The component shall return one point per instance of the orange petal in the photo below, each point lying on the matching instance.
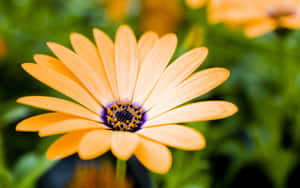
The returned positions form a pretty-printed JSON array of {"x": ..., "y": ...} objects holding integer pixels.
[
  {"x": 176, "y": 136},
  {"x": 153, "y": 66},
  {"x": 62, "y": 84},
  {"x": 197, "y": 85},
  {"x": 38, "y": 122},
  {"x": 86, "y": 50},
  {"x": 65, "y": 145},
  {"x": 81, "y": 70},
  {"x": 68, "y": 126},
  {"x": 58, "y": 105},
  {"x": 123, "y": 144},
  {"x": 145, "y": 44},
  {"x": 56, "y": 65},
  {"x": 107, "y": 54},
  {"x": 178, "y": 71},
  {"x": 154, "y": 156},
  {"x": 126, "y": 61},
  {"x": 200, "y": 111},
  {"x": 94, "y": 144},
  {"x": 259, "y": 28}
]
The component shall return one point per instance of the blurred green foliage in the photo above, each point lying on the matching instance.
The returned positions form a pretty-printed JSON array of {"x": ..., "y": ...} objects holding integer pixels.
[{"x": 262, "y": 138}]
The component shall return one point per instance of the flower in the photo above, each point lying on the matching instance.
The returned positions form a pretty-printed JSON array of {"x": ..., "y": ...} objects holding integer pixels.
[
  {"x": 160, "y": 16},
  {"x": 257, "y": 17},
  {"x": 89, "y": 175},
  {"x": 195, "y": 4},
  {"x": 127, "y": 97},
  {"x": 117, "y": 10}
]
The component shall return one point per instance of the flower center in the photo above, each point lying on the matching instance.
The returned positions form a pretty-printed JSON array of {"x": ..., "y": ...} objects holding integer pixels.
[{"x": 124, "y": 116}]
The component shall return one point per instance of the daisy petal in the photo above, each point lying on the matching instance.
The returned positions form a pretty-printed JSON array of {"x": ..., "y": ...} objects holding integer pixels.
[
  {"x": 123, "y": 144},
  {"x": 38, "y": 122},
  {"x": 126, "y": 61},
  {"x": 200, "y": 111},
  {"x": 68, "y": 126},
  {"x": 145, "y": 44},
  {"x": 65, "y": 145},
  {"x": 176, "y": 136},
  {"x": 106, "y": 49},
  {"x": 58, "y": 105},
  {"x": 80, "y": 69},
  {"x": 259, "y": 28},
  {"x": 86, "y": 50},
  {"x": 178, "y": 71},
  {"x": 56, "y": 65},
  {"x": 197, "y": 85},
  {"x": 153, "y": 66},
  {"x": 94, "y": 144},
  {"x": 154, "y": 156},
  {"x": 62, "y": 84}
]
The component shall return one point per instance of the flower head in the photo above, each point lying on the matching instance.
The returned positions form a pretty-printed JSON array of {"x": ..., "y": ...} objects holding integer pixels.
[
  {"x": 160, "y": 16},
  {"x": 257, "y": 16},
  {"x": 127, "y": 97}
]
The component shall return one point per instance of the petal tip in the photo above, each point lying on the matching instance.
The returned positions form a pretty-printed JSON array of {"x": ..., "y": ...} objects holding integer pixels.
[
  {"x": 85, "y": 157},
  {"x": 124, "y": 27},
  {"x": 223, "y": 72},
  {"x": 20, "y": 100},
  {"x": 51, "y": 44},
  {"x": 19, "y": 127},
  {"x": 76, "y": 36},
  {"x": 202, "y": 144},
  {"x": 25, "y": 66},
  {"x": 234, "y": 109},
  {"x": 37, "y": 57},
  {"x": 171, "y": 37},
  {"x": 204, "y": 50},
  {"x": 119, "y": 156},
  {"x": 97, "y": 31},
  {"x": 41, "y": 133}
]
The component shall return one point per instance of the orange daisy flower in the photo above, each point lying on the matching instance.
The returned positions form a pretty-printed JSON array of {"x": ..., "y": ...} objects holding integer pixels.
[
  {"x": 127, "y": 97},
  {"x": 257, "y": 16}
]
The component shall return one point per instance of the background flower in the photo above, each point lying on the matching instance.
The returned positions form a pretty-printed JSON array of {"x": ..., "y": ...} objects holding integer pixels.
[
  {"x": 160, "y": 16},
  {"x": 257, "y": 17}
]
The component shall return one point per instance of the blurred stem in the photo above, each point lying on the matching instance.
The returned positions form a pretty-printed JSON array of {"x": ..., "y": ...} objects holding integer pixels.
[{"x": 121, "y": 170}]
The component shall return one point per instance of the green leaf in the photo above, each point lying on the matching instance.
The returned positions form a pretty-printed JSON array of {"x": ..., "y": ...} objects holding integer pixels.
[
  {"x": 6, "y": 180},
  {"x": 29, "y": 168}
]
